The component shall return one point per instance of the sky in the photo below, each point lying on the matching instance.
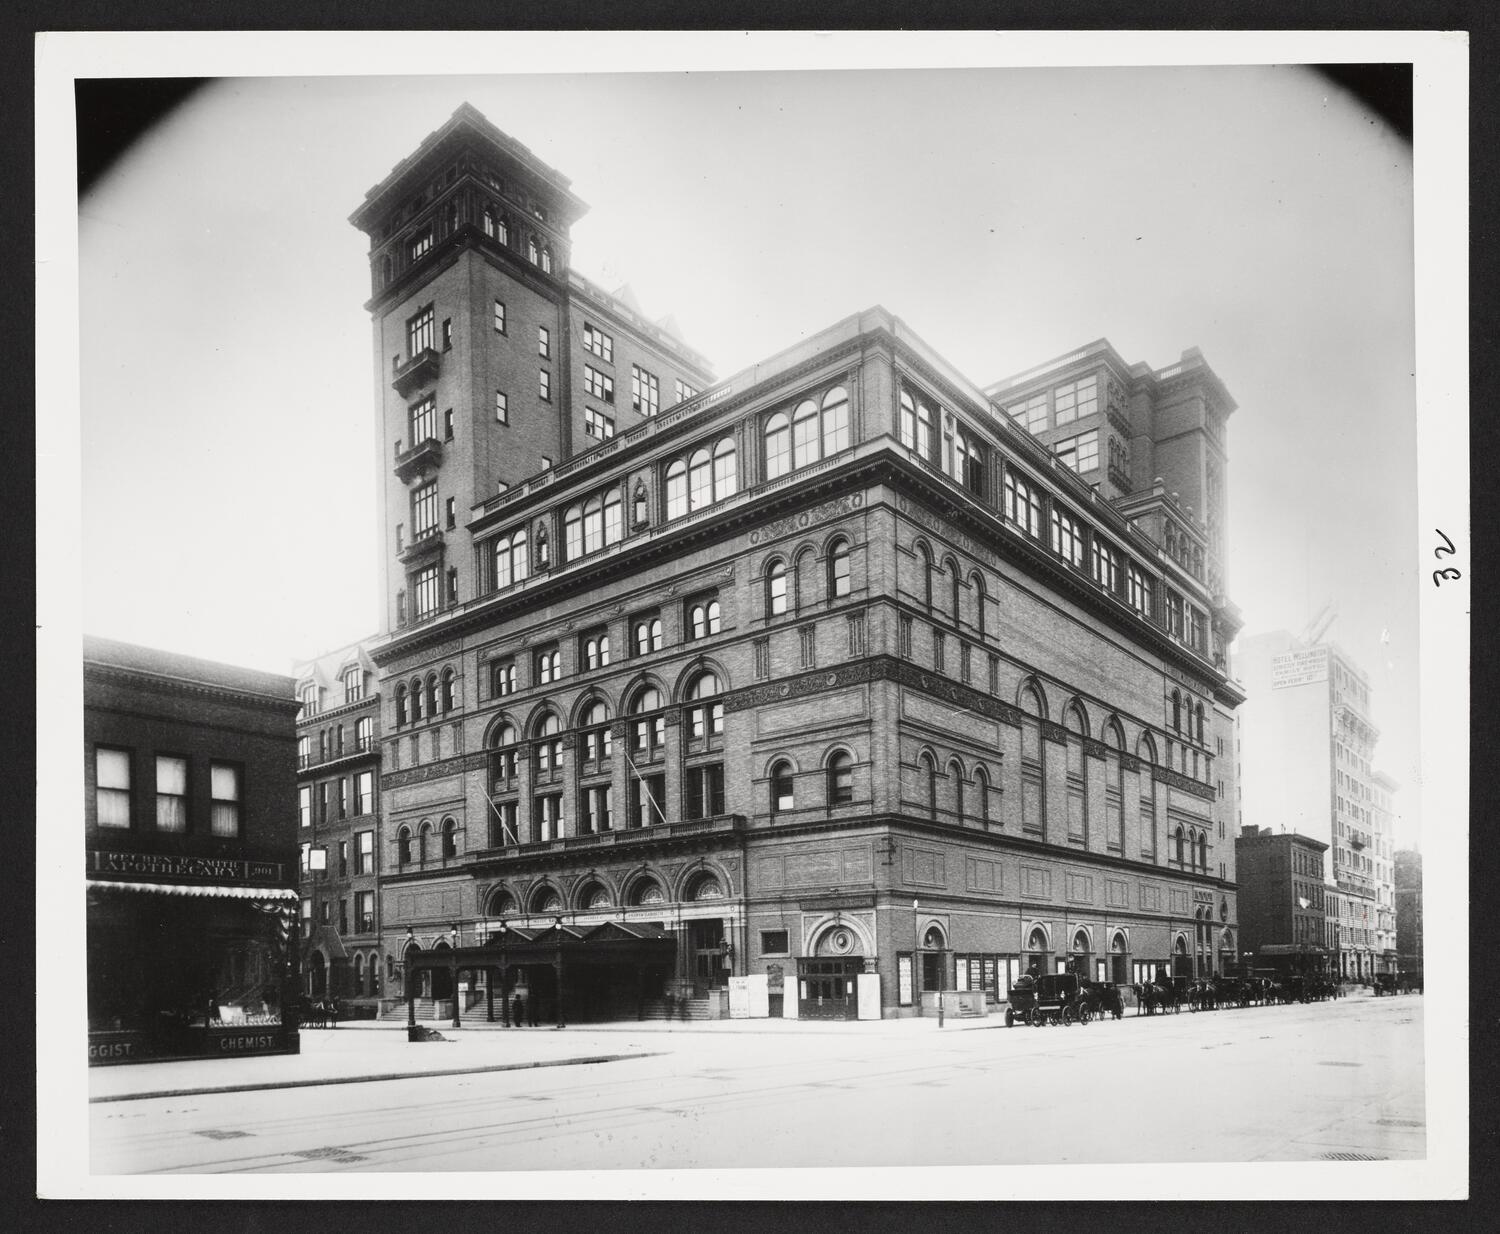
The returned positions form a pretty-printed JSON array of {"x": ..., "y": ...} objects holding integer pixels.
[{"x": 1007, "y": 215}]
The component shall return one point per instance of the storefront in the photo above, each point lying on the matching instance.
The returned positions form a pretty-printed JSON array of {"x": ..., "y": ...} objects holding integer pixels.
[{"x": 189, "y": 969}]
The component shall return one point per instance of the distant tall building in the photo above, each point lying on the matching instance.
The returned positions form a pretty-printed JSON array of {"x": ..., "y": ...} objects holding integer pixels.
[
  {"x": 1306, "y": 745},
  {"x": 842, "y": 674},
  {"x": 1409, "y": 909},
  {"x": 338, "y": 804}
]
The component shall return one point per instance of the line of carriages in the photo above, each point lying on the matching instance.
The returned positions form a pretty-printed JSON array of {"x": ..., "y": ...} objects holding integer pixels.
[{"x": 1066, "y": 998}]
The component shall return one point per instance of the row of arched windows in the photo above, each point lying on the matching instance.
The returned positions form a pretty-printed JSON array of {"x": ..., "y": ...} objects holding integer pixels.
[
  {"x": 836, "y": 772},
  {"x": 706, "y": 476},
  {"x": 426, "y": 699},
  {"x": 790, "y": 583},
  {"x": 425, "y": 842},
  {"x": 945, "y": 579},
  {"x": 815, "y": 429},
  {"x": 1191, "y": 724},
  {"x": 1190, "y": 847},
  {"x": 642, "y": 888}
]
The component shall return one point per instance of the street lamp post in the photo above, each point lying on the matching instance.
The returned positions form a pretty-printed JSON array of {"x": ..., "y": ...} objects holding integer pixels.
[
  {"x": 558, "y": 993},
  {"x": 504, "y": 1001},
  {"x": 916, "y": 958},
  {"x": 411, "y": 998},
  {"x": 453, "y": 962}
]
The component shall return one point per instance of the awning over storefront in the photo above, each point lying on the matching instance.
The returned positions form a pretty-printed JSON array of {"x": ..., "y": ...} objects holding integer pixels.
[{"x": 195, "y": 889}]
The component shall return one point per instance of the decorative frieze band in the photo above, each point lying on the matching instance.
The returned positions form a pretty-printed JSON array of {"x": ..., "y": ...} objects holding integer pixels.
[{"x": 1176, "y": 779}]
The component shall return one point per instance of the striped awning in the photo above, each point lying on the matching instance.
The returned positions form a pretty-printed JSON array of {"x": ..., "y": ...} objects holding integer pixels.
[{"x": 204, "y": 890}]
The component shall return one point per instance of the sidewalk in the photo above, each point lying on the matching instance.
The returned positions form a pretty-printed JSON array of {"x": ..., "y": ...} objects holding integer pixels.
[{"x": 360, "y": 1051}]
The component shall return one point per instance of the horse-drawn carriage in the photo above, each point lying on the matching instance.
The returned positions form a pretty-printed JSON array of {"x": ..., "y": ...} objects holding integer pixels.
[
  {"x": 1383, "y": 983},
  {"x": 1052, "y": 998}
]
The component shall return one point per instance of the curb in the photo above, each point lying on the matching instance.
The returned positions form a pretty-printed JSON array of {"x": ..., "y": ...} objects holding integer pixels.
[{"x": 367, "y": 1079}]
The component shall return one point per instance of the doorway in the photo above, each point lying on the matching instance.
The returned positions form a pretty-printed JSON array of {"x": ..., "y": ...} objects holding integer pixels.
[
  {"x": 827, "y": 989},
  {"x": 706, "y": 946}
]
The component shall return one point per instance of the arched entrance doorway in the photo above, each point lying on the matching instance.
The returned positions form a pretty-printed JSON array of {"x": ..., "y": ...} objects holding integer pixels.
[
  {"x": 1119, "y": 959},
  {"x": 442, "y": 978},
  {"x": 934, "y": 944},
  {"x": 1182, "y": 960},
  {"x": 1038, "y": 952},
  {"x": 828, "y": 980},
  {"x": 1081, "y": 956}
]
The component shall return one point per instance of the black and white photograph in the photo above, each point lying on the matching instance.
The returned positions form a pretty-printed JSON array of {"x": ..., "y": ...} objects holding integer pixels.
[{"x": 754, "y": 615}]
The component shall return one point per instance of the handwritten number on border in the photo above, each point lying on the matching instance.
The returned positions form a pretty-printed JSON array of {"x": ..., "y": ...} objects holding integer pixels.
[{"x": 1444, "y": 549}]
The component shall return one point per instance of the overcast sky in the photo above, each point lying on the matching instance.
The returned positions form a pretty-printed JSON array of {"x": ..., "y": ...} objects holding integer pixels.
[{"x": 1007, "y": 215}]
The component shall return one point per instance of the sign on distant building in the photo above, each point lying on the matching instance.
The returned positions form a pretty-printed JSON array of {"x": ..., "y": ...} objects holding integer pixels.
[{"x": 1299, "y": 668}]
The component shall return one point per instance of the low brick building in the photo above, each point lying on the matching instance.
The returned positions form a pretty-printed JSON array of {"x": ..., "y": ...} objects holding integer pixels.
[
  {"x": 191, "y": 882},
  {"x": 1281, "y": 892}
]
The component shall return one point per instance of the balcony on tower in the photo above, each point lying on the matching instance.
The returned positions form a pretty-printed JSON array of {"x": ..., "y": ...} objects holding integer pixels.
[
  {"x": 428, "y": 544},
  {"x": 420, "y": 459},
  {"x": 417, "y": 371}
]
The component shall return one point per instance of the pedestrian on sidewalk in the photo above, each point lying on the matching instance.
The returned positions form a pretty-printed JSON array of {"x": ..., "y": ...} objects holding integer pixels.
[{"x": 518, "y": 1007}]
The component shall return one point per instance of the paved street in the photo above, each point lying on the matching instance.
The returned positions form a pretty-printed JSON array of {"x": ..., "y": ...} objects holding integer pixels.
[{"x": 1329, "y": 1081}]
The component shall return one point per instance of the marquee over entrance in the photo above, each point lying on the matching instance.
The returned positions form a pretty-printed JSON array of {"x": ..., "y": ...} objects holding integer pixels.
[{"x": 566, "y": 965}]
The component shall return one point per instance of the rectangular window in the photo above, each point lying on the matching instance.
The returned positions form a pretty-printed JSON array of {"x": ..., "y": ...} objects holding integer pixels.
[
  {"x": 646, "y": 798},
  {"x": 422, "y": 420},
  {"x": 224, "y": 789},
  {"x": 343, "y": 858},
  {"x": 600, "y": 385},
  {"x": 544, "y": 342},
  {"x": 1067, "y": 537},
  {"x": 111, "y": 787},
  {"x": 424, "y": 510},
  {"x": 1076, "y": 400},
  {"x": 419, "y": 245},
  {"x": 599, "y": 343},
  {"x": 364, "y": 858},
  {"x": 598, "y": 425},
  {"x": 1139, "y": 592},
  {"x": 171, "y": 793},
  {"x": 705, "y": 791},
  {"x": 546, "y": 817},
  {"x": 1080, "y": 453},
  {"x": 499, "y": 317},
  {"x": 1195, "y": 630},
  {"x": 1174, "y": 614},
  {"x": 544, "y": 384},
  {"x": 447, "y": 334},
  {"x": 304, "y": 805},
  {"x": 450, "y": 513},
  {"x": 645, "y": 394},
  {"x": 1030, "y": 414},
  {"x": 1023, "y": 504},
  {"x": 448, "y": 424},
  {"x": 596, "y": 812},
  {"x": 364, "y": 792},
  {"x": 762, "y": 657},
  {"x": 773, "y": 942},
  {"x": 685, "y": 391},
  {"x": 502, "y": 408},
  {"x": 424, "y": 587},
  {"x": 364, "y": 912},
  {"x": 419, "y": 331}
]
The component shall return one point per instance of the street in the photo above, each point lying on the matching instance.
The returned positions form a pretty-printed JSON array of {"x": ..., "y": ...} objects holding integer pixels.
[{"x": 1327, "y": 1081}]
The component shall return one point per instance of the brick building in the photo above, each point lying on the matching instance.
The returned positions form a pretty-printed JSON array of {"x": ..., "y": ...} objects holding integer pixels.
[
  {"x": 843, "y": 674},
  {"x": 1408, "y": 881},
  {"x": 191, "y": 900},
  {"x": 1281, "y": 893},
  {"x": 338, "y": 803}
]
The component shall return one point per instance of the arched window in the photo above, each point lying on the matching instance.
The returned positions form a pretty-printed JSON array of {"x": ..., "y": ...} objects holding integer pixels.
[
  {"x": 700, "y": 480},
  {"x": 432, "y": 695},
  {"x": 450, "y": 838},
  {"x": 981, "y": 795},
  {"x": 547, "y": 259},
  {"x": 1199, "y": 715},
  {"x": 1178, "y": 838},
  {"x": 403, "y": 847},
  {"x": 778, "y": 446},
  {"x": 706, "y": 713},
  {"x": 776, "y": 588},
  {"x": 448, "y": 695},
  {"x": 649, "y": 730},
  {"x": 533, "y": 255},
  {"x": 835, "y": 421},
  {"x": 955, "y": 593},
  {"x": 956, "y": 773},
  {"x": 423, "y": 832},
  {"x": 838, "y": 569},
  {"x": 1177, "y": 711},
  {"x": 840, "y": 778},
  {"x": 930, "y": 784},
  {"x": 548, "y": 747},
  {"x": 805, "y": 434},
  {"x": 976, "y": 581},
  {"x": 783, "y": 796},
  {"x": 503, "y": 760},
  {"x": 511, "y": 563},
  {"x": 364, "y": 733},
  {"x": 677, "y": 490},
  {"x": 400, "y": 705},
  {"x": 705, "y": 617},
  {"x": 416, "y": 699},
  {"x": 647, "y": 636},
  {"x": 908, "y": 420},
  {"x": 596, "y": 732},
  {"x": 926, "y": 559},
  {"x": 726, "y": 470},
  {"x": 1203, "y": 850}
]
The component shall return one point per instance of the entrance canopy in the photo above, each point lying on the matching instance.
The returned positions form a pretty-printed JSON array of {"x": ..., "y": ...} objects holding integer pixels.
[{"x": 611, "y": 942}]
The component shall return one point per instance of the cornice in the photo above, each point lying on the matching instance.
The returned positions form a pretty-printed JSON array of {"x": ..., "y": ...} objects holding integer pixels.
[{"x": 165, "y": 684}]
